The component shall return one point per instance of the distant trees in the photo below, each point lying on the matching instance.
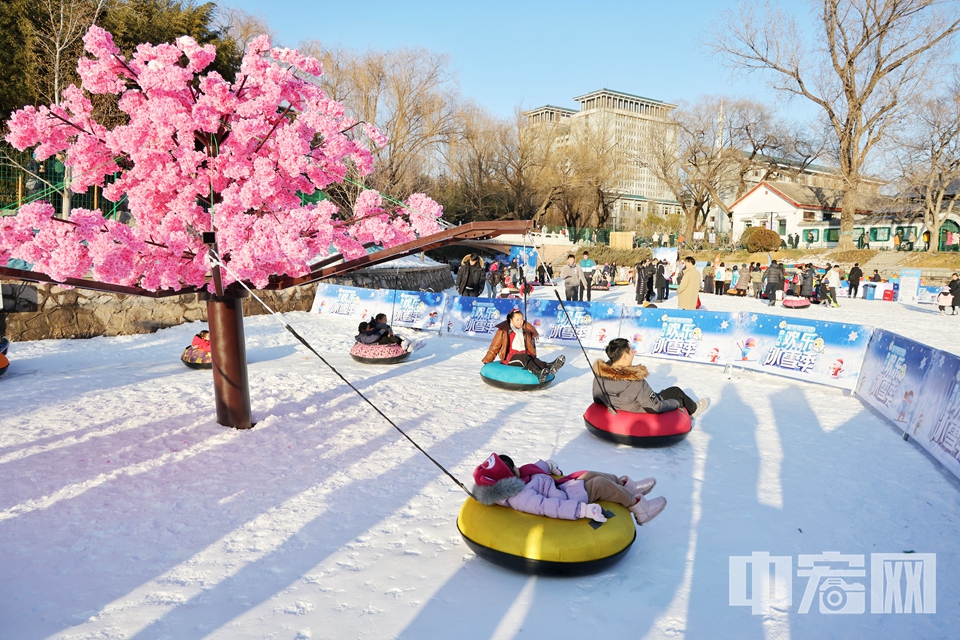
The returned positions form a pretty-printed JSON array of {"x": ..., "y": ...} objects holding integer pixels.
[{"x": 865, "y": 61}]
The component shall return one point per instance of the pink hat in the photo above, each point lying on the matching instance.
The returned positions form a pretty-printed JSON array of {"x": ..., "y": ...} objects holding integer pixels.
[{"x": 492, "y": 470}]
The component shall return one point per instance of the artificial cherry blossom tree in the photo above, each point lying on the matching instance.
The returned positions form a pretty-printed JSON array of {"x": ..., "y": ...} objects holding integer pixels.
[{"x": 199, "y": 154}]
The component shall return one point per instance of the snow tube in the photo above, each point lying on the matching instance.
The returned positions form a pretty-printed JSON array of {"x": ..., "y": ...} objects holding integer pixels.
[
  {"x": 4, "y": 345},
  {"x": 4, "y": 364},
  {"x": 546, "y": 546},
  {"x": 638, "y": 429},
  {"x": 512, "y": 377},
  {"x": 378, "y": 353},
  {"x": 796, "y": 303},
  {"x": 197, "y": 358}
]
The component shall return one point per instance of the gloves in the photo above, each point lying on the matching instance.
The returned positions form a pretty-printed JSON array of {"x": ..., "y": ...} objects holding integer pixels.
[
  {"x": 553, "y": 468},
  {"x": 592, "y": 511}
]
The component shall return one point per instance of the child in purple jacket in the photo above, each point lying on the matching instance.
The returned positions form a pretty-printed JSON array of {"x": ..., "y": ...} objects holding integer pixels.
[{"x": 533, "y": 488}]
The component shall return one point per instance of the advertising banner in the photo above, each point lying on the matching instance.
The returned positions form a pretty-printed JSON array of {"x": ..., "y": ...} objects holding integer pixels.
[
  {"x": 352, "y": 302},
  {"x": 419, "y": 309},
  {"x": 893, "y": 374},
  {"x": 697, "y": 336},
  {"x": 909, "y": 285},
  {"x": 928, "y": 295},
  {"x": 476, "y": 317},
  {"x": 666, "y": 253},
  {"x": 936, "y": 420},
  {"x": 596, "y": 323},
  {"x": 824, "y": 352}
]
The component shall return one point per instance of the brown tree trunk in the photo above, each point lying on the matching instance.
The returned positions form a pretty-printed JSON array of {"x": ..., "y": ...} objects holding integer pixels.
[
  {"x": 849, "y": 209},
  {"x": 228, "y": 348}
]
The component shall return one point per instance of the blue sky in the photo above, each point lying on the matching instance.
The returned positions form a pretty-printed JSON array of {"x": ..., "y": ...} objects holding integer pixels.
[{"x": 534, "y": 53}]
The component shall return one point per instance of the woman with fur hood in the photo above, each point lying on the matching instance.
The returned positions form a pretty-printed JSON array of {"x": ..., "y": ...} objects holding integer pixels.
[
  {"x": 533, "y": 488},
  {"x": 625, "y": 386},
  {"x": 515, "y": 344}
]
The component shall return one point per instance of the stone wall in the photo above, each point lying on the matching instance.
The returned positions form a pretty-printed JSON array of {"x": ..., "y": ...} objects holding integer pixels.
[{"x": 39, "y": 312}]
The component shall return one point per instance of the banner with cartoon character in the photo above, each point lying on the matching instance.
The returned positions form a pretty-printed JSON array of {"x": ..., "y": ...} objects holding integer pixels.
[
  {"x": 698, "y": 336},
  {"x": 476, "y": 317},
  {"x": 824, "y": 352},
  {"x": 909, "y": 285},
  {"x": 928, "y": 294},
  {"x": 352, "y": 302},
  {"x": 595, "y": 323},
  {"x": 893, "y": 374},
  {"x": 419, "y": 309},
  {"x": 935, "y": 421}
]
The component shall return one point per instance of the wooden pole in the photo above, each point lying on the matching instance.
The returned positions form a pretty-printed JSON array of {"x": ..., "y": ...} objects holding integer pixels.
[{"x": 228, "y": 348}]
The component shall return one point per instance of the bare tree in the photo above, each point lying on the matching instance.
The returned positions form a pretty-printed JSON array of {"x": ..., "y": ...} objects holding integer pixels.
[
  {"x": 929, "y": 155},
  {"x": 242, "y": 27},
  {"x": 867, "y": 59},
  {"x": 410, "y": 94}
]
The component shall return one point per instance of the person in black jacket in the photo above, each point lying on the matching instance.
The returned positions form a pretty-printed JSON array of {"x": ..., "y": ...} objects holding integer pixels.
[
  {"x": 774, "y": 277},
  {"x": 471, "y": 276},
  {"x": 854, "y": 278},
  {"x": 661, "y": 281},
  {"x": 806, "y": 281},
  {"x": 954, "y": 285}
]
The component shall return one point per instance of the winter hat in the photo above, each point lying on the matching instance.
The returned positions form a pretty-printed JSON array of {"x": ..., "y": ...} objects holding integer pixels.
[{"x": 491, "y": 470}]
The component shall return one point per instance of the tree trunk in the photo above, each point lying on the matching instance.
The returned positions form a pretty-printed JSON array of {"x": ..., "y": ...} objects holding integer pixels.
[
  {"x": 847, "y": 218},
  {"x": 228, "y": 348}
]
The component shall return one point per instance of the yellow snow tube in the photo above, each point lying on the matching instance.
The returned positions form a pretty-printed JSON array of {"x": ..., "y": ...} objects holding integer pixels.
[{"x": 546, "y": 546}]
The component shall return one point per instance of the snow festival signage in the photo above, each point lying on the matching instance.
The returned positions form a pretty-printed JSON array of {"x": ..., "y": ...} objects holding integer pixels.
[
  {"x": 419, "y": 309},
  {"x": 477, "y": 317},
  {"x": 917, "y": 388},
  {"x": 352, "y": 302},
  {"x": 909, "y": 285},
  {"x": 825, "y": 352},
  {"x": 595, "y": 323},
  {"x": 697, "y": 336}
]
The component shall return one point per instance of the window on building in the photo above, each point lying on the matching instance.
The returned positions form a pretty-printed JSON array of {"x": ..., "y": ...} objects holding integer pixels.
[
  {"x": 809, "y": 216},
  {"x": 782, "y": 227},
  {"x": 831, "y": 235},
  {"x": 906, "y": 233},
  {"x": 879, "y": 234},
  {"x": 827, "y": 216},
  {"x": 811, "y": 236}
]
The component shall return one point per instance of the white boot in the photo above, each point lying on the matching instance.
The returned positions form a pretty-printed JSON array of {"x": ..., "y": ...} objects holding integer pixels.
[
  {"x": 638, "y": 487},
  {"x": 646, "y": 510}
]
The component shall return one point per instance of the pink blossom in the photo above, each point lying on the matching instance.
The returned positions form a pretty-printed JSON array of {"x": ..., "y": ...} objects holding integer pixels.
[{"x": 198, "y": 153}]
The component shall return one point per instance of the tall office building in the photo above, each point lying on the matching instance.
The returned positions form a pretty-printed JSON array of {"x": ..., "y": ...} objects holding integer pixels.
[{"x": 629, "y": 124}]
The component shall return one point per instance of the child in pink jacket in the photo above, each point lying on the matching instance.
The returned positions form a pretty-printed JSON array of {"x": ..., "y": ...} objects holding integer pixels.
[{"x": 534, "y": 488}]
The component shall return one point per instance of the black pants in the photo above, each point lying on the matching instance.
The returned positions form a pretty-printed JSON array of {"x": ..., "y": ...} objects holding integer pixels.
[
  {"x": 588, "y": 289},
  {"x": 389, "y": 339},
  {"x": 676, "y": 393},
  {"x": 854, "y": 289},
  {"x": 573, "y": 292},
  {"x": 772, "y": 289},
  {"x": 662, "y": 293},
  {"x": 531, "y": 363}
]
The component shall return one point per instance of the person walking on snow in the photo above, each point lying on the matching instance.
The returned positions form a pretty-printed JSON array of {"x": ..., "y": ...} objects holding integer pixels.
[
  {"x": 854, "y": 277},
  {"x": 688, "y": 291},
  {"x": 573, "y": 278}
]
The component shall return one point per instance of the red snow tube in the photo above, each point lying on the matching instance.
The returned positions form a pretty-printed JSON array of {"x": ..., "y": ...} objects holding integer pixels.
[
  {"x": 638, "y": 429},
  {"x": 796, "y": 303}
]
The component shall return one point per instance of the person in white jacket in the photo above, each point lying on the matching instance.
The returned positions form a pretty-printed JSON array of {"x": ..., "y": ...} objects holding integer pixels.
[{"x": 833, "y": 283}]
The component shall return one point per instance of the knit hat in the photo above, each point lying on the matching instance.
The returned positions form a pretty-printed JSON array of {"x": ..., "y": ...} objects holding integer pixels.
[{"x": 491, "y": 470}]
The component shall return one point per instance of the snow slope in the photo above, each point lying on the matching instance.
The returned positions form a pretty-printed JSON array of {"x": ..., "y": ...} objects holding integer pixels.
[{"x": 127, "y": 512}]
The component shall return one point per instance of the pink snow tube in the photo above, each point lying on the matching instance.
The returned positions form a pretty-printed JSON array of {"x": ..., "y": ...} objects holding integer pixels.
[
  {"x": 378, "y": 353},
  {"x": 638, "y": 429},
  {"x": 796, "y": 303}
]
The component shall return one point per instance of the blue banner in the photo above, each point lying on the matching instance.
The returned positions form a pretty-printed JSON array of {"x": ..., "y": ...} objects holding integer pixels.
[
  {"x": 595, "y": 323},
  {"x": 419, "y": 309},
  {"x": 824, "y": 352},
  {"x": 352, "y": 302},
  {"x": 477, "y": 317},
  {"x": 917, "y": 388},
  {"x": 698, "y": 336},
  {"x": 892, "y": 375}
]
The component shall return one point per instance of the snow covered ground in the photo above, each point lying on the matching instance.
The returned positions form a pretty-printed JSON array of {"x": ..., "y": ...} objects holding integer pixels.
[{"x": 127, "y": 512}]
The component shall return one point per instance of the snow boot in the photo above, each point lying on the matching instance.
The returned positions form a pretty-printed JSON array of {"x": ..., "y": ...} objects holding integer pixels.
[
  {"x": 646, "y": 510},
  {"x": 702, "y": 405},
  {"x": 638, "y": 488},
  {"x": 556, "y": 364},
  {"x": 543, "y": 374}
]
